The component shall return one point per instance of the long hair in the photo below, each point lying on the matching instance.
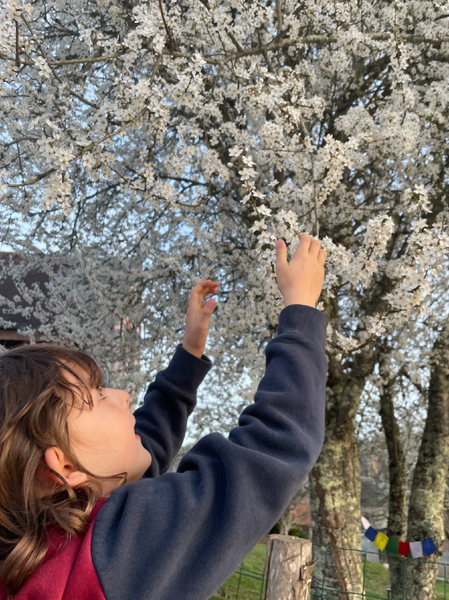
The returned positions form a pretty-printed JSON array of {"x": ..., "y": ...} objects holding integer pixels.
[{"x": 33, "y": 417}]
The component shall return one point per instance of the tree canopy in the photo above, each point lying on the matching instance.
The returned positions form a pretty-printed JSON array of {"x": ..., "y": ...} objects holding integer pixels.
[{"x": 148, "y": 145}]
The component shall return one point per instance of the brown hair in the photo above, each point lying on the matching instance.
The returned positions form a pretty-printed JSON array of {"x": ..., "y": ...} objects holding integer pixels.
[{"x": 33, "y": 417}]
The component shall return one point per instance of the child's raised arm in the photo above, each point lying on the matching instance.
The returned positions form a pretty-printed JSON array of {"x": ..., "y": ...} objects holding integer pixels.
[
  {"x": 162, "y": 419},
  {"x": 183, "y": 534}
]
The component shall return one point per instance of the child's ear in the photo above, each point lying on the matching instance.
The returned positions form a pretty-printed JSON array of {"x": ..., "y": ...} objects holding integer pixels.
[{"x": 55, "y": 458}]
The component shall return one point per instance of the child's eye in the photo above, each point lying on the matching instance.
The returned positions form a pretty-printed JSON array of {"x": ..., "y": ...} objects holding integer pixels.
[{"x": 101, "y": 395}]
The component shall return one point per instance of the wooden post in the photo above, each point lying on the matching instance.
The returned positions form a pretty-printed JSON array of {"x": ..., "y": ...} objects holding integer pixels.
[{"x": 289, "y": 568}]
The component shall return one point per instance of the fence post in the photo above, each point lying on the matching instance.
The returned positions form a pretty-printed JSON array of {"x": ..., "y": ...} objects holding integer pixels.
[{"x": 289, "y": 568}]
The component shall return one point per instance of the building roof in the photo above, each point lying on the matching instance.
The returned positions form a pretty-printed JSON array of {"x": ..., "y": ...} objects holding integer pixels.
[
  {"x": 303, "y": 514},
  {"x": 9, "y": 290}
]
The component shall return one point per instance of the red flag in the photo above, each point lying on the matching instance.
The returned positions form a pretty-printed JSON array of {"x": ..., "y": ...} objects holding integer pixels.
[{"x": 404, "y": 548}]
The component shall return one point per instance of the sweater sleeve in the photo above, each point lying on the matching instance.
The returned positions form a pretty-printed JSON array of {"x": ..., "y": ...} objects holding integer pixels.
[
  {"x": 183, "y": 534},
  {"x": 161, "y": 421}
]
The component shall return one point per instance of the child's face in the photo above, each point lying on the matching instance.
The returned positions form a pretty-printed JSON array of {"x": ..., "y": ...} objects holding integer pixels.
[{"x": 103, "y": 437}]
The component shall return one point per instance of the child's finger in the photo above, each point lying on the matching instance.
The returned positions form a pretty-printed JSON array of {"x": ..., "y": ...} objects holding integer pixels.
[
  {"x": 314, "y": 247},
  {"x": 208, "y": 282},
  {"x": 281, "y": 254},
  {"x": 322, "y": 255},
  {"x": 202, "y": 289},
  {"x": 211, "y": 289},
  {"x": 208, "y": 308},
  {"x": 304, "y": 243}
]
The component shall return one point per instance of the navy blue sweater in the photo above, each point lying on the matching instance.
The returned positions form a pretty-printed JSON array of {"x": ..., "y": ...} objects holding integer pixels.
[{"x": 179, "y": 536}]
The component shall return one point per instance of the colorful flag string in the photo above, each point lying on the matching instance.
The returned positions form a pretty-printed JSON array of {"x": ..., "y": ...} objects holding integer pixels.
[{"x": 393, "y": 546}]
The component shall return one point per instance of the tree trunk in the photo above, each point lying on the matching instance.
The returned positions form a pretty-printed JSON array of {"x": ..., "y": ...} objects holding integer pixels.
[
  {"x": 335, "y": 482},
  {"x": 288, "y": 568},
  {"x": 426, "y": 506},
  {"x": 335, "y": 502},
  {"x": 396, "y": 469}
]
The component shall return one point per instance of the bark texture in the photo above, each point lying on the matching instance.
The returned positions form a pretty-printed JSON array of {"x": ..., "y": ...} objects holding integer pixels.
[
  {"x": 288, "y": 569},
  {"x": 335, "y": 481},
  {"x": 396, "y": 468},
  {"x": 426, "y": 506}
]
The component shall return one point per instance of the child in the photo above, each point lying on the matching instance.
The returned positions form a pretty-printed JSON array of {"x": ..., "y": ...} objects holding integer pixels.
[{"x": 69, "y": 527}]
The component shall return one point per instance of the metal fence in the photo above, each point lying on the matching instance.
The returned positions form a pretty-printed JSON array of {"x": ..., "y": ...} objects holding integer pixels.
[
  {"x": 376, "y": 579},
  {"x": 244, "y": 584},
  {"x": 248, "y": 584}
]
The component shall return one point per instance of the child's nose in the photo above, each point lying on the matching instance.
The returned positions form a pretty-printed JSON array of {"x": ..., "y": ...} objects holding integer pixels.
[
  {"x": 122, "y": 398},
  {"x": 127, "y": 399}
]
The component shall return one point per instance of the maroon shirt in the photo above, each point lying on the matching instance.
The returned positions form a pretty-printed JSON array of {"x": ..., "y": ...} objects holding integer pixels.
[{"x": 66, "y": 574}]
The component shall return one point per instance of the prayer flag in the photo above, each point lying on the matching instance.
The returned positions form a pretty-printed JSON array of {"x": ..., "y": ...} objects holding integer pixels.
[
  {"x": 392, "y": 546},
  {"x": 428, "y": 546},
  {"x": 416, "y": 549},
  {"x": 371, "y": 533},
  {"x": 366, "y": 524},
  {"x": 380, "y": 541},
  {"x": 404, "y": 548}
]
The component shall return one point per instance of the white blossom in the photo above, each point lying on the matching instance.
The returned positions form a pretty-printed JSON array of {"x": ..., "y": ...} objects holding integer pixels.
[{"x": 188, "y": 152}]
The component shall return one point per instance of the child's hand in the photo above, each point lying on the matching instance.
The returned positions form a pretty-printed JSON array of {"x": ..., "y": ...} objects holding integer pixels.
[
  {"x": 198, "y": 315},
  {"x": 301, "y": 280}
]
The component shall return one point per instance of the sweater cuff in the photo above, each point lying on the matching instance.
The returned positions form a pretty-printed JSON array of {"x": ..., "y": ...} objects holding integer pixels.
[
  {"x": 306, "y": 320},
  {"x": 187, "y": 371}
]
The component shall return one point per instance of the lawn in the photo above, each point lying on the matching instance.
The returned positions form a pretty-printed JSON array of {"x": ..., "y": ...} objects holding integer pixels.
[
  {"x": 377, "y": 582},
  {"x": 248, "y": 585}
]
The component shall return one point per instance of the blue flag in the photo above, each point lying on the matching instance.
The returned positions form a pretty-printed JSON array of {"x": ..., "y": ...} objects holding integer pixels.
[
  {"x": 371, "y": 533},
  {"x": 428, "y": 546}
]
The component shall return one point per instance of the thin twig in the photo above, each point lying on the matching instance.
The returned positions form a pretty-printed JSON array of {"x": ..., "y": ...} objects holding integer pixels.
[
  {"x": 17, "y": 44},
  {"x": 32, "y": 181},
  {"x": 167, "y": 28},
  {"x": 418, "y": 386},
  {"x": 20, "y": 160},
  {"x": 315, "y": 200},
  {"x": 265, "y": 54},
  {"x": 203, "y": 201},
  {"x": 234, "y": 41},
  {"x": 41, "y": 50},
  {"x": 88, "y": 102}
]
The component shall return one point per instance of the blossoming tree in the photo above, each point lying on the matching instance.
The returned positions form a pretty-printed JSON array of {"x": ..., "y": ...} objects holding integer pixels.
[{"x": 146, "y": 145}]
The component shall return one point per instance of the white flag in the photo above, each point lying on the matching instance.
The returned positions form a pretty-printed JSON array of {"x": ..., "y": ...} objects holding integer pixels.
[
  {"x": 366, "y": 524},
  {"x": 416, "y": 549}
]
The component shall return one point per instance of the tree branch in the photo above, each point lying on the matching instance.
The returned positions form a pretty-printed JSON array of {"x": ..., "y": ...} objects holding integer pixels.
[
  {"x": 32, "y": 181},
  {"x": 17, "y": 44},
  {"x": 317, "y": 40},
  {"x": 403, "y": 371},
  {"x": 279, "y": 16}
]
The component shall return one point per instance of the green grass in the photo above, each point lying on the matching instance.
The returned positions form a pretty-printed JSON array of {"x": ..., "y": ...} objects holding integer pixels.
[
  {"x": 439, "y": 590},
  {"x": 377, "y": 581},
  {"x": 244, "y": 587}
]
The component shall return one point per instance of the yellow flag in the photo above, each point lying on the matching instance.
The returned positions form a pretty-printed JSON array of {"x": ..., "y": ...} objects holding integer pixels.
[{"x": 380, "y": 541}]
